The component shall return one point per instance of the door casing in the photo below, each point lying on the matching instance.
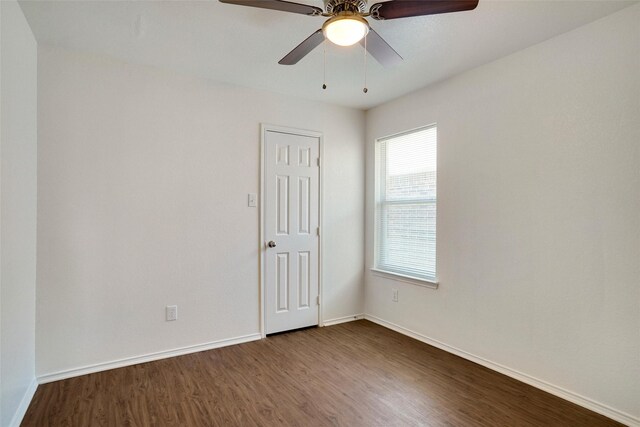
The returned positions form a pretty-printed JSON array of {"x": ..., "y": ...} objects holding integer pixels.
[{"x": 264, "y": 128}]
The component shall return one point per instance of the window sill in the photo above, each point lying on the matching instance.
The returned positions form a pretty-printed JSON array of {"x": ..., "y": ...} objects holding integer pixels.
[{"x": 433, "y": 284}]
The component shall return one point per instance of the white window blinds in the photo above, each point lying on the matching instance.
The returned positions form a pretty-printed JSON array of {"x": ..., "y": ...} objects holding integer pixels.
[{"x": 406, "y": 203}]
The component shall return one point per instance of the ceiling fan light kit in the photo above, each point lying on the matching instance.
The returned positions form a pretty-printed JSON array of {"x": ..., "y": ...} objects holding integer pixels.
[{"x": 346, "y": 29}]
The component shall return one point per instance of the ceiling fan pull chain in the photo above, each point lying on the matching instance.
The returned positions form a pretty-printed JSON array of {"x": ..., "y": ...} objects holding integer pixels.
[
  {"x": 365, "y": 90},
  {"x": 324, "y": 64}
]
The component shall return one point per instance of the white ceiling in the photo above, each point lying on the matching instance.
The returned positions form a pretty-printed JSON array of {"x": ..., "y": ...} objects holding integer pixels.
[{"x": 242, "y": 45}]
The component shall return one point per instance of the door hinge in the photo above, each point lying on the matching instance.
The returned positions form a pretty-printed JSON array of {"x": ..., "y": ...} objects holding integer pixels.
[
  {"x": 318, "y": 300},
  {"x": 318, "y": 162},
  {"x": 317, "y": 231}
]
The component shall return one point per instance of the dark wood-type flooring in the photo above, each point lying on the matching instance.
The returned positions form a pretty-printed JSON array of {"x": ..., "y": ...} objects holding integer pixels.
[{"x": 353, "y": 374}]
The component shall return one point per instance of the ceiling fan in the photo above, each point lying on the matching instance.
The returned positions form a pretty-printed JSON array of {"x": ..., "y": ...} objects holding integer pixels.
[{"x": 347, "y": 25}]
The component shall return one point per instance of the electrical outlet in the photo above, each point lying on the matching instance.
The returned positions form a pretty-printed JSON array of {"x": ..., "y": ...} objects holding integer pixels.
[
  {"x": 395, "y": 295},
  {"x": 172, "y": 313}
]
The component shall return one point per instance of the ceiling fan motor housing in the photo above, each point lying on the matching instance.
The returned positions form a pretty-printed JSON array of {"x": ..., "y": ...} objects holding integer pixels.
[{"x": 338, "y": 6}]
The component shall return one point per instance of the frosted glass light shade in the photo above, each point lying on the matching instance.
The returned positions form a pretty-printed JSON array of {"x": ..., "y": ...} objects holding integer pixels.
[{"x": 345, "y": 30}]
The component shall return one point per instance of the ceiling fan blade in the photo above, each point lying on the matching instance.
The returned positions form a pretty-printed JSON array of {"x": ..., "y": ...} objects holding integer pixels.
[
  {"x": 406, "y": 8},
  {"x": 380, "y": 49},
  {"x": 284, "y": 6},
  {"x": 303, "y": 49}
]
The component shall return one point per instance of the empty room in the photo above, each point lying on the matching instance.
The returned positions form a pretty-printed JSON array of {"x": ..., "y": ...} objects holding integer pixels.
[{"x": 320, "y": 213}]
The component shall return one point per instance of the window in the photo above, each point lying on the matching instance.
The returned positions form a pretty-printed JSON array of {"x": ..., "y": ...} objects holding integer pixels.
[{"x": 405, "y": 240}]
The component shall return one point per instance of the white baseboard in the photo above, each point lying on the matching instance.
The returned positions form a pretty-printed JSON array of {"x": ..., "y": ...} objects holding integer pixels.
[
  {"x": 578, "y": 399},
  {"x": 24, "y": 404},
  {"x": 128, "y": 361},
  {"x": 344, "y": 319}
]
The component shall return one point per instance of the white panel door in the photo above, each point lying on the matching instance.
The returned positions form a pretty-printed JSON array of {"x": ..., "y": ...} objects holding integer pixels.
[{"x": 291, "y": 202}]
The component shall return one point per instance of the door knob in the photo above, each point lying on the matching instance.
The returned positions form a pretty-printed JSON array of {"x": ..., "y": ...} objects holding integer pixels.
[{"x": 271, "y": 244}]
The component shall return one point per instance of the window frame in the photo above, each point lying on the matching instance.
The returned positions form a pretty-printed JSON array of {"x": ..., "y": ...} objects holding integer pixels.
[{"x": 432, "y": 283}]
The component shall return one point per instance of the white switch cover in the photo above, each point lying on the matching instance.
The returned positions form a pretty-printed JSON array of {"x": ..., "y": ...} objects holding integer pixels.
[
  {"x": 395, "y": 295},
  {"x": 253, "y": 200},
  {"x": 172, "y": 313}
]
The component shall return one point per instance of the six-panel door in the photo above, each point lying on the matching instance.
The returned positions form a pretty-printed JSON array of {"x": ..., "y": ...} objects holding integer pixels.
[{"x": 291, "y": 200}]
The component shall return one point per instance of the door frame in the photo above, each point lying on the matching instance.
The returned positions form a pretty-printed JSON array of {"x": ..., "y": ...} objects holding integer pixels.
[{"x": 264, "y": 128}]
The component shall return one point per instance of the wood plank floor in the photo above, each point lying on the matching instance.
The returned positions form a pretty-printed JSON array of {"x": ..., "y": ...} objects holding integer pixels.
[{"x": 353, "y": 374}]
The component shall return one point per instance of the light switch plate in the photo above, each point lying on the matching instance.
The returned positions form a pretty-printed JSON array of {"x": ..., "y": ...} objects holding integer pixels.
[
  {"x": 253, "y": 200},
  {"x": 171, "y": 313}
]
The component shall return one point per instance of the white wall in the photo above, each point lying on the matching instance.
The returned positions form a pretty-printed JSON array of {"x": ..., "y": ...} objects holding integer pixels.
[
  {"x": 142, "y": 202},
  {"x": 18, "y": 141},
  {"x": 538, "y": 212}
]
